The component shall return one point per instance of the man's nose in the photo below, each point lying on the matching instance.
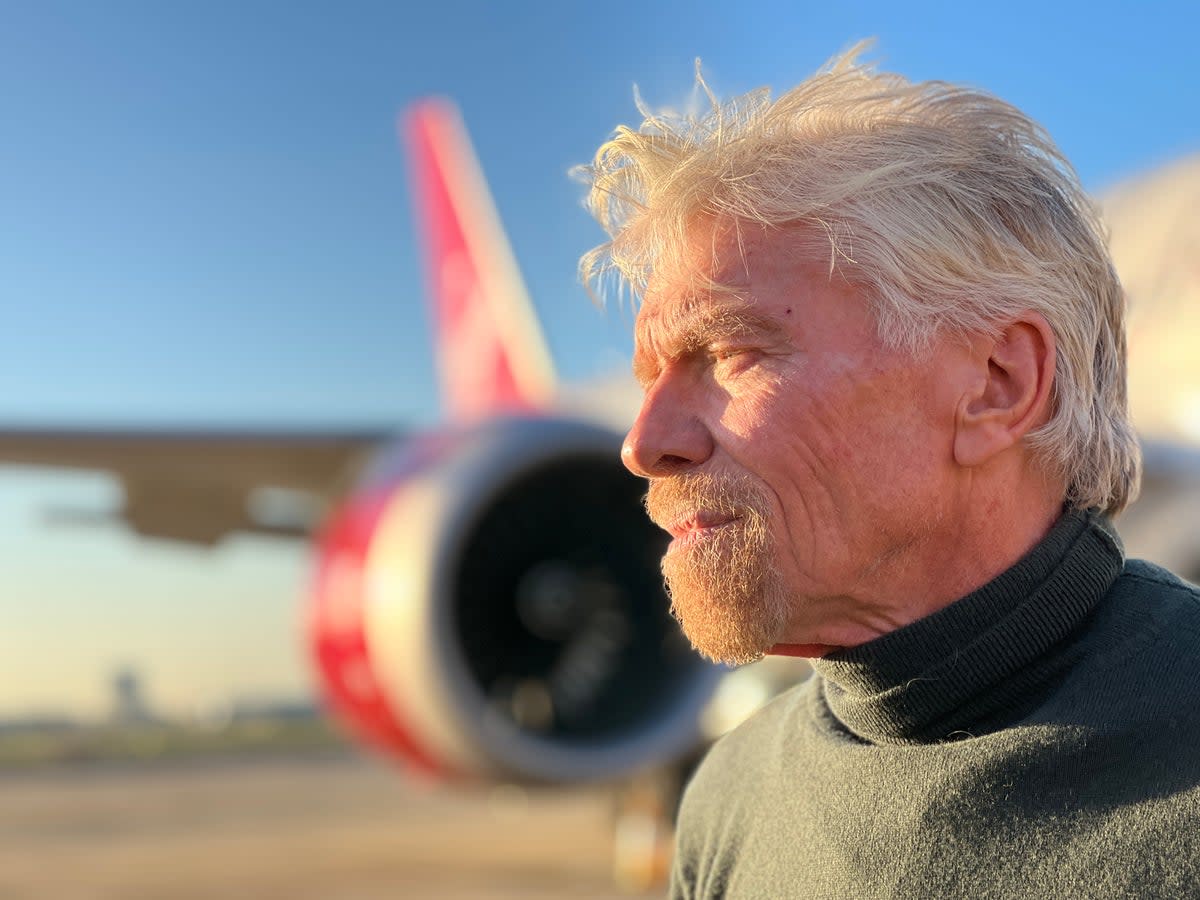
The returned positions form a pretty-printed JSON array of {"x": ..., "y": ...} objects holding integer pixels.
[{"x": 668, "y": 436}]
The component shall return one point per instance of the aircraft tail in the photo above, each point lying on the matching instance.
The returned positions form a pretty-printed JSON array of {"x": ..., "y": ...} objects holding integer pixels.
[{"x": 491, "y": 353}]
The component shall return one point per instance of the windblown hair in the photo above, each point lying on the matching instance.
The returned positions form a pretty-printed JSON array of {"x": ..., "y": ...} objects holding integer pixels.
[{"x": 949, "y": 208}]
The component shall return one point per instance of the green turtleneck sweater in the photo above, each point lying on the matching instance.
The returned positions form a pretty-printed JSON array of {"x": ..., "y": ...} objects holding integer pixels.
[{"x": 1038, "y": 738}]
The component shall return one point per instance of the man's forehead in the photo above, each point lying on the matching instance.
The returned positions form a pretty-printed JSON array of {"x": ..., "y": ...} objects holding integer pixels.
[
  {"x": 711, "y": 258},
  {"x": 729, "y": 279},
  {"x": 713, "y": 283}
]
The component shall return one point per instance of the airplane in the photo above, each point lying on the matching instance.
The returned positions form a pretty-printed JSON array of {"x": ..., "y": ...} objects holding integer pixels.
[
  {"x": 1155, "y": 244},
  {"x": 488, "y": 602}
]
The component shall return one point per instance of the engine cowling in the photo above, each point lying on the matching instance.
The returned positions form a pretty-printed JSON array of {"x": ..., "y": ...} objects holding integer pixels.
[{"x": 489, "y": 605}]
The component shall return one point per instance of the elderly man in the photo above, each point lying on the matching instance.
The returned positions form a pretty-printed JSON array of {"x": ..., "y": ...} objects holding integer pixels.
[{"x": 883, "y": 354}]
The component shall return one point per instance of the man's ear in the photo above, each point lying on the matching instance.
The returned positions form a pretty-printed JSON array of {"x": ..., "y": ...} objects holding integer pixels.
[{"x": 1011, "y": 395}]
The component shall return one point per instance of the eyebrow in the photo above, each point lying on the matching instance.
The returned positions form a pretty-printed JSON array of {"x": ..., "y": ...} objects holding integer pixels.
[{"x": 695, "y": 324}]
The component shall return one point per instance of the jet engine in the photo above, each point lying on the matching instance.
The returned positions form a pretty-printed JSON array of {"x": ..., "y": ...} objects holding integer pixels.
[{"x": 489, "y": 605}]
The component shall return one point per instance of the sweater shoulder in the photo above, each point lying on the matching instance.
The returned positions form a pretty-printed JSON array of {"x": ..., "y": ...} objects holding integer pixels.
[
  {"x": 1168, "y": 606},
  {"x": 774, "y": 722},
  {"x": 1139, "y": 575},
  {"x": 744, "y": 758},
  {"x": 1144, "y": 649},
  {"x": 739, "y": 777}
]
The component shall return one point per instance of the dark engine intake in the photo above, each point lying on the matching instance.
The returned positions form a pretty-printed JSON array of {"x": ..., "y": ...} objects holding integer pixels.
[{"x": 509, "y": 618}]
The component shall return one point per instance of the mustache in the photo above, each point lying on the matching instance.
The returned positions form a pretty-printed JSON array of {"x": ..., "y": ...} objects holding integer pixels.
[{"x": 677, "y": 497}]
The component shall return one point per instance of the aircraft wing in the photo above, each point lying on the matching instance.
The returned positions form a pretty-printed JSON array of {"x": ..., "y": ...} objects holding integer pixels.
[{"x": 197, "y": 485}]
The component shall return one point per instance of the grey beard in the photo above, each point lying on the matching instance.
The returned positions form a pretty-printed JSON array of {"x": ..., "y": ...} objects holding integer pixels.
[{"x": 725, "y": 589}]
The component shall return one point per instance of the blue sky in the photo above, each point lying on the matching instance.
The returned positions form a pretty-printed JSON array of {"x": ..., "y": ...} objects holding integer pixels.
[{"x": 204, "y": 219}]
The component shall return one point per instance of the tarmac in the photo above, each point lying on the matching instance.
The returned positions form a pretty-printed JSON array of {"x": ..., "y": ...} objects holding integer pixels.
[{"x": 335, "y": 828}]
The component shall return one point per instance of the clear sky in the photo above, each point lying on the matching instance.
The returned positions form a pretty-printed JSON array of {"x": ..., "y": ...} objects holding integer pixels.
[{"x": 204, "y": 220}]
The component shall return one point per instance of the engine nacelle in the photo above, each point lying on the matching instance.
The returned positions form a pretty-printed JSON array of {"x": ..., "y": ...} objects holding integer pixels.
[{"x": 489, "y": 605}]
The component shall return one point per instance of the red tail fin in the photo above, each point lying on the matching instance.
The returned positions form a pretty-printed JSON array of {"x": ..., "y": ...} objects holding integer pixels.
[{"x": 490, "y": 350}]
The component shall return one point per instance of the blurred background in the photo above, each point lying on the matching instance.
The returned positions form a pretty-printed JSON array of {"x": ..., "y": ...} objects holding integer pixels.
[{"x": 204, "y": 222}]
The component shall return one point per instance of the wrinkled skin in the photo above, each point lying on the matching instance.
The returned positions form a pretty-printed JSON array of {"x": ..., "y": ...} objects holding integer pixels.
[{"x": 779, "y": 391}]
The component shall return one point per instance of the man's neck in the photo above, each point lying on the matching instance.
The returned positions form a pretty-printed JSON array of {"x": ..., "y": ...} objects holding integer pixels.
[{"x": 959, "y": 556}]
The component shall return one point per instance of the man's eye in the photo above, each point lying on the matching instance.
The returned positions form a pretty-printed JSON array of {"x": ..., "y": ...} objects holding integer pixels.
[{"x": 732, "y": 360}]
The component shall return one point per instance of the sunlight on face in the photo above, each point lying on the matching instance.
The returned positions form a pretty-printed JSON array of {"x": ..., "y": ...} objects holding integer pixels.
[{"x": 799, "y": 463}]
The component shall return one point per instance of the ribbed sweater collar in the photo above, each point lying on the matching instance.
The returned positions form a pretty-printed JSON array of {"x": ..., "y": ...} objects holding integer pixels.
[{"x": 960, "y": 670}]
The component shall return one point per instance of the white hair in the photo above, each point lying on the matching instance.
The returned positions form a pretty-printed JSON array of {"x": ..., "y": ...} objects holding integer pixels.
[{"x": 952, "y": 211}]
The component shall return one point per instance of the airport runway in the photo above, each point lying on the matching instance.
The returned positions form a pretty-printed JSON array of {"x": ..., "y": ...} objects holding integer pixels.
[{"x": 304, "y": 829}]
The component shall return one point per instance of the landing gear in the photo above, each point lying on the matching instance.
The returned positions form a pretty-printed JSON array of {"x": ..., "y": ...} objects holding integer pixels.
[{"x": 644, "y": 812}]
